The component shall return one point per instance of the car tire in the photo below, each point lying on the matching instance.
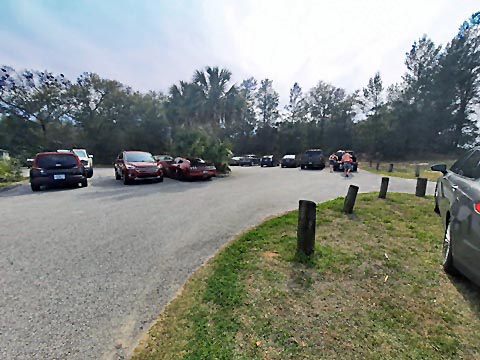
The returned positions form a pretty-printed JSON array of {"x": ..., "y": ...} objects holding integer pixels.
[
  {"x": 126, "y": 181},
  {"x": 117, "y": 175},
  {"x": 160, "y": 180},
  {"x": 35, "y": 187},
  {"x": 447, "y": 257},
  {"x": 90, "y": 173},
  {"x": 302, "y": 167},
  {"x": 84, "y": 183}
]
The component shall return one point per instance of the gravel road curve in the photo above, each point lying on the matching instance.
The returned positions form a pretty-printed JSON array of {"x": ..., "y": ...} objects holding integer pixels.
[{"x": 83, "y": 272}]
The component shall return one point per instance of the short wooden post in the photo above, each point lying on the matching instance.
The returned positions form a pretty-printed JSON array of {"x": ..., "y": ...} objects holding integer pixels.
[
  {"x": 421, "y": 188},
  {"x": 417, "y": 170},
  {"x": 370, "y": 163},
  {"x": 377, "y": 166},
  {"x": 307, "y": 216},
  {"x": 350, "y": 199},
  {"x": 390, "y": 167},
  {"x": 383, "y": 188}
]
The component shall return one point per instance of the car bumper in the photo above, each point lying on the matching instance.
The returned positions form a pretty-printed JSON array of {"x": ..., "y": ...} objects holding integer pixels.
[
  {"x": 49, "y": 180},
  {"x": 201, "y": 173},
  {"x": 140, "y": 175}
]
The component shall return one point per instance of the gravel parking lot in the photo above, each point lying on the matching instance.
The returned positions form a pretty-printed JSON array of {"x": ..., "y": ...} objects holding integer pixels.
[{"x": 83, "y": 272}]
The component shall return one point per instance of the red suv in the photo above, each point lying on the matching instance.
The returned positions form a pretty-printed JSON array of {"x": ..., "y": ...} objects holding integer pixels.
[
  {"x": 57, "y": 168},
  {"x": 137, "y": 165}
]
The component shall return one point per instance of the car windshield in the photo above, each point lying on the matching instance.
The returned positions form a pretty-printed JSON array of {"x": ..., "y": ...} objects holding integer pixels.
[
  {"x": 80, "y": 153},
  {"x": 56, "y": 161},
  {"x": 197, "y": 161},
  {"x": 139, "y": 157}
]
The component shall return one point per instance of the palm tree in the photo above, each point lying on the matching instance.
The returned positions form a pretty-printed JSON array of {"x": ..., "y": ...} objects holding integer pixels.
[{"x": 213, "y": 82}]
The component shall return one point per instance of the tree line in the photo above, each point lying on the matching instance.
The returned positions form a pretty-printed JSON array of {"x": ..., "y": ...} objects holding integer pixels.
[{"x": 433, "y": 109}]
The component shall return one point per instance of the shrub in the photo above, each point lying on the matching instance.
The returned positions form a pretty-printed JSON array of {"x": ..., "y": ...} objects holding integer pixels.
[{"x": 10, "y": 171}]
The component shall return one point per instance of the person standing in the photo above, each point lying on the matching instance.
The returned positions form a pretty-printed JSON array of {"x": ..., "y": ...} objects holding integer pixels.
[
  {"x": 332, "y": 159},
  {"x": 347, "y": 163}
]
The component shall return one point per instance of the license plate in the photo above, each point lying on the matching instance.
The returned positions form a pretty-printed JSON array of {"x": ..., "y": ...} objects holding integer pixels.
[{"x": 59, "y": 177}]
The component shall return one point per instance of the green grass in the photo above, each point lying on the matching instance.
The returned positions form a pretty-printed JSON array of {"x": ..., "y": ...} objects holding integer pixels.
[
  {"x": 406, "y": 169},
  {"x": 374, "y": 289}
]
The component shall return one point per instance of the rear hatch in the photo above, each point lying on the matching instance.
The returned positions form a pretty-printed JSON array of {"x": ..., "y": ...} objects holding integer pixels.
[
  {"x": 313, "y": 157},
  {"x": 58, "y": 164}
]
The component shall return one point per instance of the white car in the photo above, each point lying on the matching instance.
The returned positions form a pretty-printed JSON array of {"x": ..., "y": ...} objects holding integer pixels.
[{"x": 86, "y": 160}]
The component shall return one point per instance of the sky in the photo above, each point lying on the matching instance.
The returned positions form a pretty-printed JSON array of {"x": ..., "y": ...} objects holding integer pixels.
[{"x": 152, "y": 44}]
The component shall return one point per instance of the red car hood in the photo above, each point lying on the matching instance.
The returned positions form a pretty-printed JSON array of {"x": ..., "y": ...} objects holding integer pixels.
[{"x": 142, "y": 164}]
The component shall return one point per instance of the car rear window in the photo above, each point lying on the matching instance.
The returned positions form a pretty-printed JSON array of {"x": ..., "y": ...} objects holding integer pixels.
[{"x": 56, "y": 161}]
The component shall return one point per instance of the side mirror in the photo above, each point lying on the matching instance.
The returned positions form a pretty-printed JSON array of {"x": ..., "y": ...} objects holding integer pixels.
[
  {"x": 90, "y": 156},
  {"x": 440, "y": 167}
]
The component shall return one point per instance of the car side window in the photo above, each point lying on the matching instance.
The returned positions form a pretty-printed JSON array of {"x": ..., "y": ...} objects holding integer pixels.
[
  {"x": 471, "y": 166},
  {"x": 457, "y": 167}
]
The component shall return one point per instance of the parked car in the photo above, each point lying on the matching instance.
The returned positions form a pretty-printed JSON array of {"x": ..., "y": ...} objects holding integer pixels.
[
  {"x": 338, "y": 166},
  {"x": 234, "y": 161},
  {"x": 55, "y": 168},
  {"x": 29, "y": 162},
  {"x": 457, "y": 201},
  {"x": 166, "y": 161},
  {"x": 131, "y": 166},
  {"x": 313, "y": 158},
  {"x": 289, "y": 161},
  {"x": 268, "y": 160},
  {"x": 86, "y": 159},
  {"x": 249, "y": 160},
  {"x": 192, "y": 168}
]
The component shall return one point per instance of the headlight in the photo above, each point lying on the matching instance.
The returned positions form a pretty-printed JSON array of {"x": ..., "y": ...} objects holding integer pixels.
[
  {"x": 159, "y": 166},
  {"x": 130, "y": 167}
]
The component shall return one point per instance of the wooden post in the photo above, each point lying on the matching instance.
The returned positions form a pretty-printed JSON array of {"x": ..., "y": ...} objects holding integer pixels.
[
  {"x": 417, "y": 170},
  {"x": 307, "y": 215},
  {"x": 390, "y": 167},
  {"x": 421, "y": 188},
  {"x": 383, "y": 188},
  {"x": 377, "y": 166},
  {"x": 350, "y": 199},
  {"x": 370, "y": 163}
]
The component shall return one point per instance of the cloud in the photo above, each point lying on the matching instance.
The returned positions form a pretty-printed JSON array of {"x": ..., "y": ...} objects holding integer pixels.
[{"x": 150, "y": 45}]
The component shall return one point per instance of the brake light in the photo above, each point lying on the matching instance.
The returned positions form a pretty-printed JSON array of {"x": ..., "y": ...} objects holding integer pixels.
[{"x": 477, "y": 208}]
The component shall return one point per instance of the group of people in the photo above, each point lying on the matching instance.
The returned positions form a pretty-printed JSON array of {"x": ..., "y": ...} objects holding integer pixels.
[{"x": 346, "y": 160}]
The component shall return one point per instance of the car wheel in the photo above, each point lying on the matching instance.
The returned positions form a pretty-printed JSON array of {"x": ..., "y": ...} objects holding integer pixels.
[
  {"x": 302, "y": 167},
  {"x": 160, "y": 180},
  {"x": 35, "y": 187},
  {"x": 84, "y": 183},
  {"x": 90, "y": 173},
  {"x": 447, "y": 257},
  {"x": 117, "y": 175},
  {"x": 126, "y": 181}
]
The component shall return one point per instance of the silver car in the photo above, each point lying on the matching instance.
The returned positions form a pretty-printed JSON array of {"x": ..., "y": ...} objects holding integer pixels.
[{"x": 457, "y": 201}]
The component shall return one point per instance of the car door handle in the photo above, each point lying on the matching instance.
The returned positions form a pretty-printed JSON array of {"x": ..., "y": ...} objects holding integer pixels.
[{"x": 454, "y": 187}]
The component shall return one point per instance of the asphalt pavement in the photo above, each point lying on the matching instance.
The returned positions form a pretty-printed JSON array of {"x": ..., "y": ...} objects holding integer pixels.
[{"x": 85, "y": 271}]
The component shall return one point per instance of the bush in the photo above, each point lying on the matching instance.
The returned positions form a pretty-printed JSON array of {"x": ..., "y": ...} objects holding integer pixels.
[
  {"x": 10, "y": 171},
  {"x": 200, "y": 144}
]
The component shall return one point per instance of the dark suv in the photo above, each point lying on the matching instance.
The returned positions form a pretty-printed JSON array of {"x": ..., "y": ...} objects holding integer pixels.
[
  {"x": 313, "y": 158},
  {"x": 57, "y": 168},
  {"x": 457, "y": 201},
  {"x": 268, "y": 160}
]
